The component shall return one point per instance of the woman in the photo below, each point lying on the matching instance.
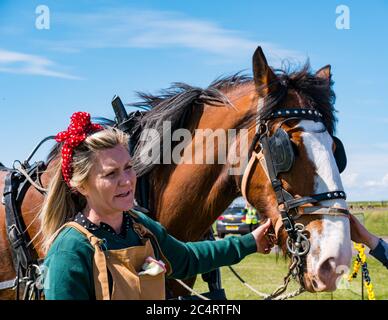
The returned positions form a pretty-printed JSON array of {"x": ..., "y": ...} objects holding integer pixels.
[
  {"x": 378, "y": 247},
  {"x": 98, "y": 246}
]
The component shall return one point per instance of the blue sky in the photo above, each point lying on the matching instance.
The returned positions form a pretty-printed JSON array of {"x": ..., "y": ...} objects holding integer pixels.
[{"x": 95, "y": 49}]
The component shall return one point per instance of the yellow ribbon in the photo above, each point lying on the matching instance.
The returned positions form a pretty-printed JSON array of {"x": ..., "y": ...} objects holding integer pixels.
[{"x": 361, "y": 260}]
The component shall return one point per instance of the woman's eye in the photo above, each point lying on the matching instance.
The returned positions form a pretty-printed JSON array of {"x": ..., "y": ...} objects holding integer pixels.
[{"x": 110, "y": 174}]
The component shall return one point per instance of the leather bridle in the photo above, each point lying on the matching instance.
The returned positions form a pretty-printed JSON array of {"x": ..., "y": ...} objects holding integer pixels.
[{"x": 264, "y": 151}]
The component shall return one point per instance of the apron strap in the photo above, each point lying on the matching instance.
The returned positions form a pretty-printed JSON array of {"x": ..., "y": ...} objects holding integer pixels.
[
  {"x": 145, "y": 233},
  {"x": 100, "y": 270}
]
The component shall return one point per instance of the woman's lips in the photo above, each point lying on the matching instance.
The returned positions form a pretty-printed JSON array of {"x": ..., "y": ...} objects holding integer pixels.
[{"x": 123, "y": 195}]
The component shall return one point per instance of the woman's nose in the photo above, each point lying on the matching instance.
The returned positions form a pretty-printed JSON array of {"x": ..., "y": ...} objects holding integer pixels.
[
  {"x": 125, "y": 179},
  {"x": 128, "y": 177}
]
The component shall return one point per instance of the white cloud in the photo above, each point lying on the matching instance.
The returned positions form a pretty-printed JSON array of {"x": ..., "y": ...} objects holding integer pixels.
[
  {"x": 22, "y": 63},
  {"x": 366, "y": 175},
  {"x": 160, "y": 29},
  {"x": 381, "y": 146},
  {"x": 383, "y": 182}
]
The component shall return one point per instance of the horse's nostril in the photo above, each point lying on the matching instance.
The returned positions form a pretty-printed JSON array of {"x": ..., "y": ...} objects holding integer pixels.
[
  {"x": 326, "y": 276},
  {"x": 327, "y": 268},
  {"x": 315, "y": 284}
]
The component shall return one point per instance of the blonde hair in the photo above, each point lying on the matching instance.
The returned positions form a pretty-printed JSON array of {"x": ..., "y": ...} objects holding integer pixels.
[{"x": 61, "y": 203}]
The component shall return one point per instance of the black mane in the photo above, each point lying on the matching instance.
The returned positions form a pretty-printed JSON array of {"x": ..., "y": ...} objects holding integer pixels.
[
  {"x": 179, "y": 102},
  {"x": 176, "y": 104},
  {"x": 317, "y": 93}
]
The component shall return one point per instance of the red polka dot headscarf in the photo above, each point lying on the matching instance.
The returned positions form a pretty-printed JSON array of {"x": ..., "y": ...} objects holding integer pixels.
[{"x": 80, "y": 127}]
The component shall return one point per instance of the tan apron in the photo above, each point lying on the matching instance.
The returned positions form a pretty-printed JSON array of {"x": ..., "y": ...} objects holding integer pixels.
[{"x": 124, "y": 266}]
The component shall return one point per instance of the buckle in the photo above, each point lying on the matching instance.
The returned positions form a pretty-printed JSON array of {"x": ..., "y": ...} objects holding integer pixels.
[
  {"x": 288, "y": 225},
  {"x": 276, "y": 183}
]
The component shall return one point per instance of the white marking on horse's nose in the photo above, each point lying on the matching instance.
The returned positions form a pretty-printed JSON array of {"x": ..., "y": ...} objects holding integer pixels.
[{"x": 330, "y": 248}]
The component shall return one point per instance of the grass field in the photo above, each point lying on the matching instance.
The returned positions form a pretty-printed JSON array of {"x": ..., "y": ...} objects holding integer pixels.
[
  {"x": 376, "y": 221},
  {"x": 265, "y": 272}
]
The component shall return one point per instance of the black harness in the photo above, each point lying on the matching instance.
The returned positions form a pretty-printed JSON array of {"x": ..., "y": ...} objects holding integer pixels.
[
  {"x": 279, "y": 157},
  {"x": 25, "y": 258},
  {"x": 276, "y": 154}
]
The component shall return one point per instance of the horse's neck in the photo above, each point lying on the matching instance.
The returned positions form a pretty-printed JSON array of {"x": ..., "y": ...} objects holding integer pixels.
[
  {"x": 190, "y": 201},
  {"x": 187, "y": 198}
]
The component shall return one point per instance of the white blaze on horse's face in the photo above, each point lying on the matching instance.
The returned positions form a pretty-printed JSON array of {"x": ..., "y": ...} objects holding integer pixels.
[{"x": 330, "y": 240}]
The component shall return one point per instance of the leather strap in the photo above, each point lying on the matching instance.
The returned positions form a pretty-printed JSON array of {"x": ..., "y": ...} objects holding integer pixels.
[
  {"x": 143, "y": 233},
  {"x": 313, "y": 210},
  {"x": 100, "y": 270}
]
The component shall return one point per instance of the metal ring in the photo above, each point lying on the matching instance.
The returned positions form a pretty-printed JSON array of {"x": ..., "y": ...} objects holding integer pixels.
[
  {"x": 300, "y": 227},
  {"x": 17, "y": 162},
  {"x": 304, "y": 245},
  {"x": 290, "y": 243}
]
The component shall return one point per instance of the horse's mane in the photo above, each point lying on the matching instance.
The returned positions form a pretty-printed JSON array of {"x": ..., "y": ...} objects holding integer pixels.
[
  {"x": 317, "y": 93},
  {"x": 179, "y": 102},
  {"x": 176, "y": 104}
]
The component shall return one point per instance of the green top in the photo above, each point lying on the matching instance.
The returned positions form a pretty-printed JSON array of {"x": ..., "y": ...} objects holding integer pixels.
[{"x": 69, "y": 262}]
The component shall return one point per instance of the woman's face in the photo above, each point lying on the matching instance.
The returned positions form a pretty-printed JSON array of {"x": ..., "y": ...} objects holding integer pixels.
[{"x": 111, "y": 183}]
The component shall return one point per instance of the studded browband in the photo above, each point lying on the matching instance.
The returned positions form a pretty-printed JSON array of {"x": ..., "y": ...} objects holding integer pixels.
[{"x": 309, "y": 114}]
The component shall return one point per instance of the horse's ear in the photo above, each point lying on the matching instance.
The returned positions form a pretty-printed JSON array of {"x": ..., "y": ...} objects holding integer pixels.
[
  {"x": 324, "y": 73},
  {"x": 265, "y": 78}
]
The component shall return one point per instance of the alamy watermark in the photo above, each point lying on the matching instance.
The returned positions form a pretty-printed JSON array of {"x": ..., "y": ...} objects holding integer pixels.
[
  {"x": 204, "y": 146},
  {"x": 42, "y": 20},
  {"x": 342, "y": 21}
]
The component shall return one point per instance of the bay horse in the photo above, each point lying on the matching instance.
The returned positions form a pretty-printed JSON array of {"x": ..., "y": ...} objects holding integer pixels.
[{"x": 285, "y": 169}]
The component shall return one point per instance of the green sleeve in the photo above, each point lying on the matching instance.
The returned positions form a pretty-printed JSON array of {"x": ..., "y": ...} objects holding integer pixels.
[
  {"x": 69, "y": 268},
  {"x": 191, "y": 258}
]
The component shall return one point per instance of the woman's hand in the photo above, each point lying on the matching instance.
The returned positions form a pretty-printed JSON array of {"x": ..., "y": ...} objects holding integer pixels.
[
  {"x": 360, "y": 234},
  {"x": 263, "y": 243}
]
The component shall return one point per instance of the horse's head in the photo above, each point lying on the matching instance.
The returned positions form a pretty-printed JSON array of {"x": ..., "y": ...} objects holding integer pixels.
[{"x": 293, "y": 175}]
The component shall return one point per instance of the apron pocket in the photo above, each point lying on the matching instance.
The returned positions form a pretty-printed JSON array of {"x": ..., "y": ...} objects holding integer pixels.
[{"x": 152, "y": 287}]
